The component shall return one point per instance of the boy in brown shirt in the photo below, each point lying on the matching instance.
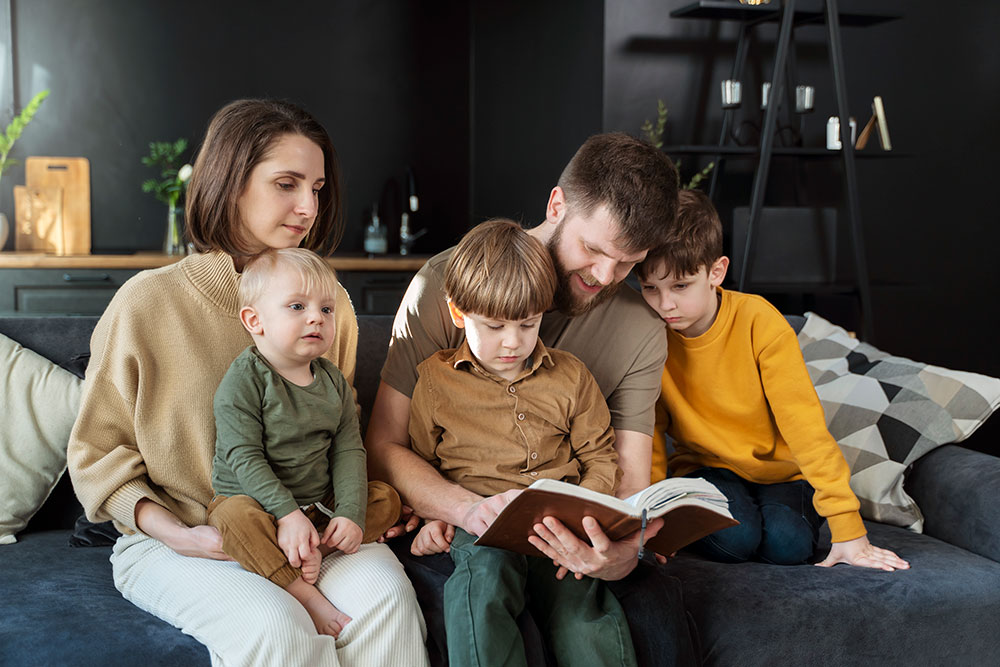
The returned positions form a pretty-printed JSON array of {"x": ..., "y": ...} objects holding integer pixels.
[{"x": 495, "y": 415}]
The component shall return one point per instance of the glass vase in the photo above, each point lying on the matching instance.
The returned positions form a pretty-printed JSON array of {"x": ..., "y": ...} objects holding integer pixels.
[{"x": 173, "y": 242}]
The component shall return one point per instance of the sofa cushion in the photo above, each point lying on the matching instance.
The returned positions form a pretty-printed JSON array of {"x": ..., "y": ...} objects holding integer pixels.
[
  {"x": 886, "y": 412},
  {"x": 62, "y": 608},
  {"x": 40, "y": 404},
  {"x": 936, "y": 613}
]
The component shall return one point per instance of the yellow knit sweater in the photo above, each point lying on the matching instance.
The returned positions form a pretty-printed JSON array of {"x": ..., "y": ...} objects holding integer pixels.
[
  {"x": 146, "y": 428},
  {"x": 739, "y": 397}
]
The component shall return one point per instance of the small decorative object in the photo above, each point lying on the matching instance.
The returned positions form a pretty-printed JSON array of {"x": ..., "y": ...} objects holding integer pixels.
[
  {"x": 754, "y": 2},
  {"x": 376, "y": 236},
  {"x": 732, "y": 93},
  {"x": 170, "y": 187},
  {"x": 7, "y": 139},
  {"x": 805, "y": 99},
  {"x": 877, "y": 120},
  {"x": 833, "y": 132},
  {"x": 654, "y": 135}
]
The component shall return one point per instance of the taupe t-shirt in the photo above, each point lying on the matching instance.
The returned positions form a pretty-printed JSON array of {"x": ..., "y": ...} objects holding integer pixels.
[{"x": 622, "y": 342}]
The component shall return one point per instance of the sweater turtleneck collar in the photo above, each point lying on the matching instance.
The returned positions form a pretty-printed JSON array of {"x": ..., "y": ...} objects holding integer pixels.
[{"x": 215, "y": 277}]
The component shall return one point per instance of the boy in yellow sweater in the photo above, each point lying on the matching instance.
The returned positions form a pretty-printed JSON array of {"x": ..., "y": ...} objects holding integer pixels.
[{"x": 737, "y": 400}]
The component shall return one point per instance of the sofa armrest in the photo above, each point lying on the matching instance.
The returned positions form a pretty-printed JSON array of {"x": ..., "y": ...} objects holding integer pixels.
[{"x": 956, "y": 489}]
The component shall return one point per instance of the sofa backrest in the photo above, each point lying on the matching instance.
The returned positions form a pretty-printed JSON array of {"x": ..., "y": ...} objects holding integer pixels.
[{"x": 65, "y": 340}]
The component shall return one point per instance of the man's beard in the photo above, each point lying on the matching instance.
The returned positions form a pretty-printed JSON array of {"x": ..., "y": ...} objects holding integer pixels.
[{"x": 566, "y": 301}]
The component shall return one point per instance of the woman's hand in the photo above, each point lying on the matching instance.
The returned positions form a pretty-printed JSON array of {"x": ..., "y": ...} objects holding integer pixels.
[
  {"x": 159, "y": 523},
  {"x": 601, "y": 559}
]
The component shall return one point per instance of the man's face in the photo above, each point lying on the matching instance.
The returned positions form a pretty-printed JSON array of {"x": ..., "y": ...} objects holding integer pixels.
[{"x": 589, "y": 263}]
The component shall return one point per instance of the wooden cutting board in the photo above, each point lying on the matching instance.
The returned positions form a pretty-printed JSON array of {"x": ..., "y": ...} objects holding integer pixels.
[{"x": 72, "y": 174}]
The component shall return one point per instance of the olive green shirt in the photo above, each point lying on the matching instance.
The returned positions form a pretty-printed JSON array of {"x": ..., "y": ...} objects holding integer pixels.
[
  {"x": 622, "y": 342},
  {"x": 489, "y": 435},
  {"x": 285, "y": 445}
]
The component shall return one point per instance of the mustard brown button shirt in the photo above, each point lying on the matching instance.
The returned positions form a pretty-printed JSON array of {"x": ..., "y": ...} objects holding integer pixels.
[{"x": 490, "y": 435}]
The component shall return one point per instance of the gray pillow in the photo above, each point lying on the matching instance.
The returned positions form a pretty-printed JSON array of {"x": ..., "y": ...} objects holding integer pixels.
[{"x": 886, "y": 412}]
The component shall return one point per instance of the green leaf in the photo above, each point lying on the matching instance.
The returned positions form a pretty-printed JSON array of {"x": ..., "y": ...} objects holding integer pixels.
[{"x": 17, "y": 125}]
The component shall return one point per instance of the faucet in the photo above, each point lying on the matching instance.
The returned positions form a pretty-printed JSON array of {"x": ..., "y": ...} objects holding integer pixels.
[{"x": 406, "y": 237}]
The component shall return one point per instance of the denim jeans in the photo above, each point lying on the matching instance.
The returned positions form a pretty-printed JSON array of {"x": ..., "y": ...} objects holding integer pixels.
[{"x": 778, "y": 523}]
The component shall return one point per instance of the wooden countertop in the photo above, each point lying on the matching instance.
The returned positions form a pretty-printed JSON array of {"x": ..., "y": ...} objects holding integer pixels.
[{"x": 151, "y": 260}]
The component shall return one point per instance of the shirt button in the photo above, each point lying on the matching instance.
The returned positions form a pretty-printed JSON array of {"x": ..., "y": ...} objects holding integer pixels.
[
  {"x": 534, "y": 474},
  {"x": 520, "y": 417},
  {"x": 511, "y": 389},
  {"x": 534, "y": 455}
]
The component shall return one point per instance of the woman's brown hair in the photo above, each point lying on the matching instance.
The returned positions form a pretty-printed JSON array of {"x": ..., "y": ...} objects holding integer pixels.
[{"x": 240, "y": 136}]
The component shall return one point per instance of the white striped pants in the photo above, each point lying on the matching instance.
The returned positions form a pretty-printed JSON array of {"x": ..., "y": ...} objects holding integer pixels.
[{"x": 244, "y": 619}]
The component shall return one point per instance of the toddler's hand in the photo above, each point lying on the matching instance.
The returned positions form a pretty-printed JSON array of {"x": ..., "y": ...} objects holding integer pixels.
[
  {"x": 434, "y": 538},
  {"x": 297, "y": 537},
  {"x": 343, "y": 534}
]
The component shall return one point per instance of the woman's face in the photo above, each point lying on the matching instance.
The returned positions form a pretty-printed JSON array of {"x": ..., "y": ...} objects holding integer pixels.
[{"x": 279, "y": 205}]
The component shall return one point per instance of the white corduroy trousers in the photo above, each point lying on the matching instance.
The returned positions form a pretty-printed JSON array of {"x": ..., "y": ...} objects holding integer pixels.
[{"x": 244, "y": 619}]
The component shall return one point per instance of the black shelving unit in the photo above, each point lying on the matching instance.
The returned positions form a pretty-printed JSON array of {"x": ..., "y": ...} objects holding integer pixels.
[{"x": 789, "y": 14}]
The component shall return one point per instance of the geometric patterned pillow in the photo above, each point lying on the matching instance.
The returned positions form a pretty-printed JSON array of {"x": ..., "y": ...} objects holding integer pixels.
[{"x": 886, "y": 412}]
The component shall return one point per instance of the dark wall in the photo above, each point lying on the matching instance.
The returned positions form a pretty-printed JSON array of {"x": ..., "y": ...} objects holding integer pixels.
[
  {"x": 388, "y": 79},
  {"x": 537, "y": 91},
  {"x": 930, "y": 222}
]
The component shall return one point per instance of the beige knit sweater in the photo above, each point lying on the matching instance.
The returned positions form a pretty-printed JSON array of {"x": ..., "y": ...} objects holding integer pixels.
[{"x": 146, "y": 428}]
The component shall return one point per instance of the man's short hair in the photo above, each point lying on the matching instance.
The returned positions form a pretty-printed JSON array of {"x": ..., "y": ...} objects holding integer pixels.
[
  {"x": 697, "y": 242},
  {"x": 312, "y": 270},
  {"x": 501, "y": 272},
  {"x": 635, "y": 180}
]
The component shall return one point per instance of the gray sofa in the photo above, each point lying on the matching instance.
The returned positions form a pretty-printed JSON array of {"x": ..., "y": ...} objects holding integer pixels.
[{"x": 61, "y": 607}]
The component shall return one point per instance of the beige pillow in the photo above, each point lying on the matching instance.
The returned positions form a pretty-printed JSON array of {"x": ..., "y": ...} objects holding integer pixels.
[{"x": 40, "y": 402}]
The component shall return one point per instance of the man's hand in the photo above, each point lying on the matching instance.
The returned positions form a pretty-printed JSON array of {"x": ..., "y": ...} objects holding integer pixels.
[
  {"x": 481, "y": 514},
  {"x": 408, "y": 522},
  {"x": 434, "y": 538},
  {"x": 296, "y": 537},
  {"x": 601, "y": 559},
  {"x": 343, "y": 534},
  {"x": 863, "y": 553}
]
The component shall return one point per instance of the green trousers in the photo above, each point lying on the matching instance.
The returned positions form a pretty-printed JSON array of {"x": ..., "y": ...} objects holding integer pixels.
[{"x": 581, "y": 620}]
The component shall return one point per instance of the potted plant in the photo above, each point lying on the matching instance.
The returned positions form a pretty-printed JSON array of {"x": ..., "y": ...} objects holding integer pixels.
[
  {"x": 173, "y": 180},
  {"x": 7, "y": 139}
]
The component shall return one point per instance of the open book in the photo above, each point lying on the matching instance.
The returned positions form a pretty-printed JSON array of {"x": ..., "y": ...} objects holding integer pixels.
[{"x": 690, "y": 506}]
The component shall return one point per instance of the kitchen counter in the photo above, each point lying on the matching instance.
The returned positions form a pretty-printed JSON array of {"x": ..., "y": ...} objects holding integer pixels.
[{"x": 152, "y": 260}]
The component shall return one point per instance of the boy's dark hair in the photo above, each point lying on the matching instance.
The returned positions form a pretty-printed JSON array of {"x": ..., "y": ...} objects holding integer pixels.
[
  {"x": 239, "y": 137},
  {"x": 697, "y": 243},
  {"x": 501, "y": 272},
  {"x": 635, "y": 180}
]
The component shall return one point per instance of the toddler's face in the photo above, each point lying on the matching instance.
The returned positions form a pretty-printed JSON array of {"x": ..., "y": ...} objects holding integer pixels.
[
  {"x": 688, "y": 303},
  {"x": 296, "y": 324},
  {"x": 501, "y": 346}
]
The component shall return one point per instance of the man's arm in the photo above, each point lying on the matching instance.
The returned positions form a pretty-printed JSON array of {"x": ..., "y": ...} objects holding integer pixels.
[
  {"x": 635, "y": 452},
  {"x": 419, "y": 484}
]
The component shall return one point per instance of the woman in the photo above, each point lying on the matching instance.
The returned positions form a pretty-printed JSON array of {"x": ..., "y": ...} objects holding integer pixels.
[{"x": 141, "y": 450}]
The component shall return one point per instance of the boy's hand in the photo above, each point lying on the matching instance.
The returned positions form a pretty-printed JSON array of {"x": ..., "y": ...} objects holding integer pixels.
[
  {"x": 434, "y": 538},
  {"x": 343, "y": 534},
  {"x": 863, "y": 553},
  {"x": 481, "y": 514},
  {"x": 296, "y": 537}
]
